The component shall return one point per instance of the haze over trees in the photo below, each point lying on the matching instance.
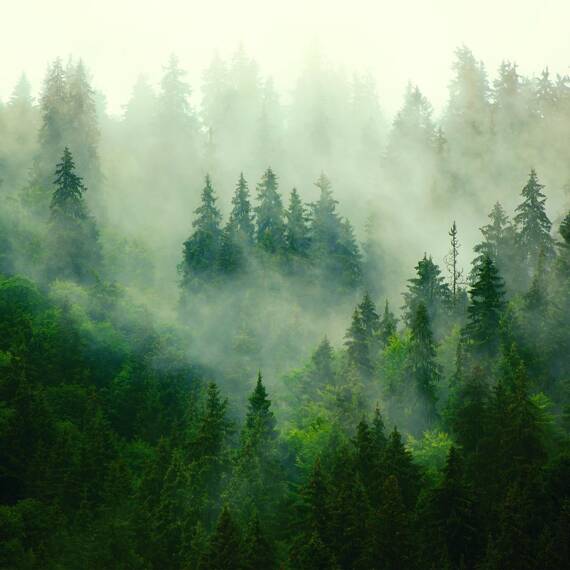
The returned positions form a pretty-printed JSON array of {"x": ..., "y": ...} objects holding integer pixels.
[{"x": 272, "y": 332}]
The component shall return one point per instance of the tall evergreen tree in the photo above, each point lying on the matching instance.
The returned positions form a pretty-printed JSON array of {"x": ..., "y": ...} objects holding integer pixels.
[
  {"x": 202, "y": 248},
  {"x": 423, "y": 368},
  {"x": 429, "y": 288},
  {"x": 241, "y": 215},
  {"x": 74, "y": 251},
  {"x": 297, "y": 237},
  {"x": 486, "y": 307},
  {"x": 269, "y": 212},
  {"x": 388, "y": 324},
  {"x": 533, "y": 225},
  {"x": 224, "y": 550}
]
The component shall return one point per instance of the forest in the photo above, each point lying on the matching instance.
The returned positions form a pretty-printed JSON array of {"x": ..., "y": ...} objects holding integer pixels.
[{"x": 247, "y": 330}]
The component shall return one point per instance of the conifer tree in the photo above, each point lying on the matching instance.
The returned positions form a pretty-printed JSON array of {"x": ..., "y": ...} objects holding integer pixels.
[
  {"x": 486, "y": 307},
  {"x": 74, "y": 251},
  {"x": 258, "y": 552},
  {"x": 388, "y": 324},
  {"x": 533, "y": 224},
  {"x": 429, "y": 288},
  {"x": 297, "y": 238},
  {"x": 357, "y": 343},
  {"x": 269, "y": 214},
  {"x": 241, "y": 216},
  {"x": 322, "y": 370},
  {"x": 202, "y": 248},
  {"x": 453, "y": 265},
  {"x": 224, "y": 550},
  {"x": 423, "y": 368}
]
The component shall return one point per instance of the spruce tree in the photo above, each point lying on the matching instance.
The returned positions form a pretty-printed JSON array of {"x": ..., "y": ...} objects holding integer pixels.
[
  {"x": 258, "y": 551},
  {"x": 533, "y": 224},
  {"x": 388, "y": 324},
  {"x": 225, "y": 548},
  {"x": 486, "y": 307},
  {"x": 422, "y": 365},
  {"x": 429, "y": 288},
  {"x": 74, "y": 251},
  {"x": 241, "y": 216},
  {"x": 202, "y": 248},
  {"x": 297, "y": 238},
  {"x": 269, "y": 215},
  {"x": 358, "y": 345}
]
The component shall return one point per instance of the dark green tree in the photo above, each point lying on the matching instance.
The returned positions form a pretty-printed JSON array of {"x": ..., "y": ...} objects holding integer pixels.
[
  {"x": 533, "y": 224},
  {"x": 241, "y": 217},
  {"x": 388, "y": 324},
  {"x": 74, "y": 251},
  {"x": 422, "y": 365},
  {"x": 297, "y": 237},
  {"x": 225, "y": 548},
  {"x": 486, "y": 308},
  {"x": 429, "y": 288},
  {"x": 201, "y": 249},
  {"x": 269, "y": 212}
]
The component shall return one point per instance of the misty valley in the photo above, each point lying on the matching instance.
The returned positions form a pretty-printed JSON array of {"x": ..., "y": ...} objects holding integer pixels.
[{"x": 254, "y": 329}]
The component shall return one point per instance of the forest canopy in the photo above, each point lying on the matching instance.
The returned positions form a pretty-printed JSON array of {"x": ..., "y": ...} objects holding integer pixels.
[{"x": 256, "y": 334}]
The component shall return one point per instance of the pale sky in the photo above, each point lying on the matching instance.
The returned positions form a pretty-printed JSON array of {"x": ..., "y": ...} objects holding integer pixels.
[{"x": 396, "y": 40}]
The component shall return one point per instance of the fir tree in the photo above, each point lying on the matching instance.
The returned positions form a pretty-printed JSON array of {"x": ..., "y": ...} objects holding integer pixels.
[
  {"x": 258, "y": 552},
  {"x": 423, "y": 368},
  {"x": 202, "y": 248},
  {"x": 241, "y": 216},
  {"x": 486, "y": 307},
  {"x": 388, "y": 324},
  {"x": 224, "y": 550},
  {"x": 533, "y": 225},
  {"x": 269, "y": 212},
  {"x": 74, "y": 250},
  {"x": 297, "y": 238},
  {"x": 429, "y": 288}
]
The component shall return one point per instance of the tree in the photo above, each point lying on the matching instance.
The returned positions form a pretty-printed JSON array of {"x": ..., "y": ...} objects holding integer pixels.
[
  {"x": 201, "y": 249},
  {"x": 224, "y": 550},
  {"x": 258, "y": 552},
  {"x": 269, "y": 212},
  {"x": 450, "y": 525},
  {"x": 74, "y": 251},
  {"x": 297, "y": 239},
  {"x": 452, "y": 263},
  {"x": 241, "y": 216},
  {"x": 429, "y": 288},
  {"x": 486, "y": 307},
  {"x": 357, "y": 344},
  {"x": 388, "y": 325},
  {"x": 533, "y": 225},
  {"x": 333, "y": 246},
  {"x": 422, "y": 365}
]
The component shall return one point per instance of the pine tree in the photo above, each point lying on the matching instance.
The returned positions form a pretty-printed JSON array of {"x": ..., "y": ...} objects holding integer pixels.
[
  {"x": 297, "y": 238},
  {"x": 388, "y": 325},
  {"x": 241, "y": 216},
  {"x": 322, "y": 372},
  {"x": 357, "y": 344},
  {"x": 533, "y": 225},
  {"x": 74, "y": 250},
  {"x": 450, "y": 523},
  {"x": 398, "y": 462},
  {"x": 393, "y": 545},
  {"x": 67, "y": 199},
  {"x": 333, "y": 245},
  {"x": 258, "y": 552},
  {"x": 269, "y": 212},
  {"x": 429, "y": 288},
  {"x": 452, "y": 263},
  {"x": 486, "y": 307},
  {"x": 224, "y": 550},
  {"x": 423, "y": 368},
  {"x": 202, "y": 248}
]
